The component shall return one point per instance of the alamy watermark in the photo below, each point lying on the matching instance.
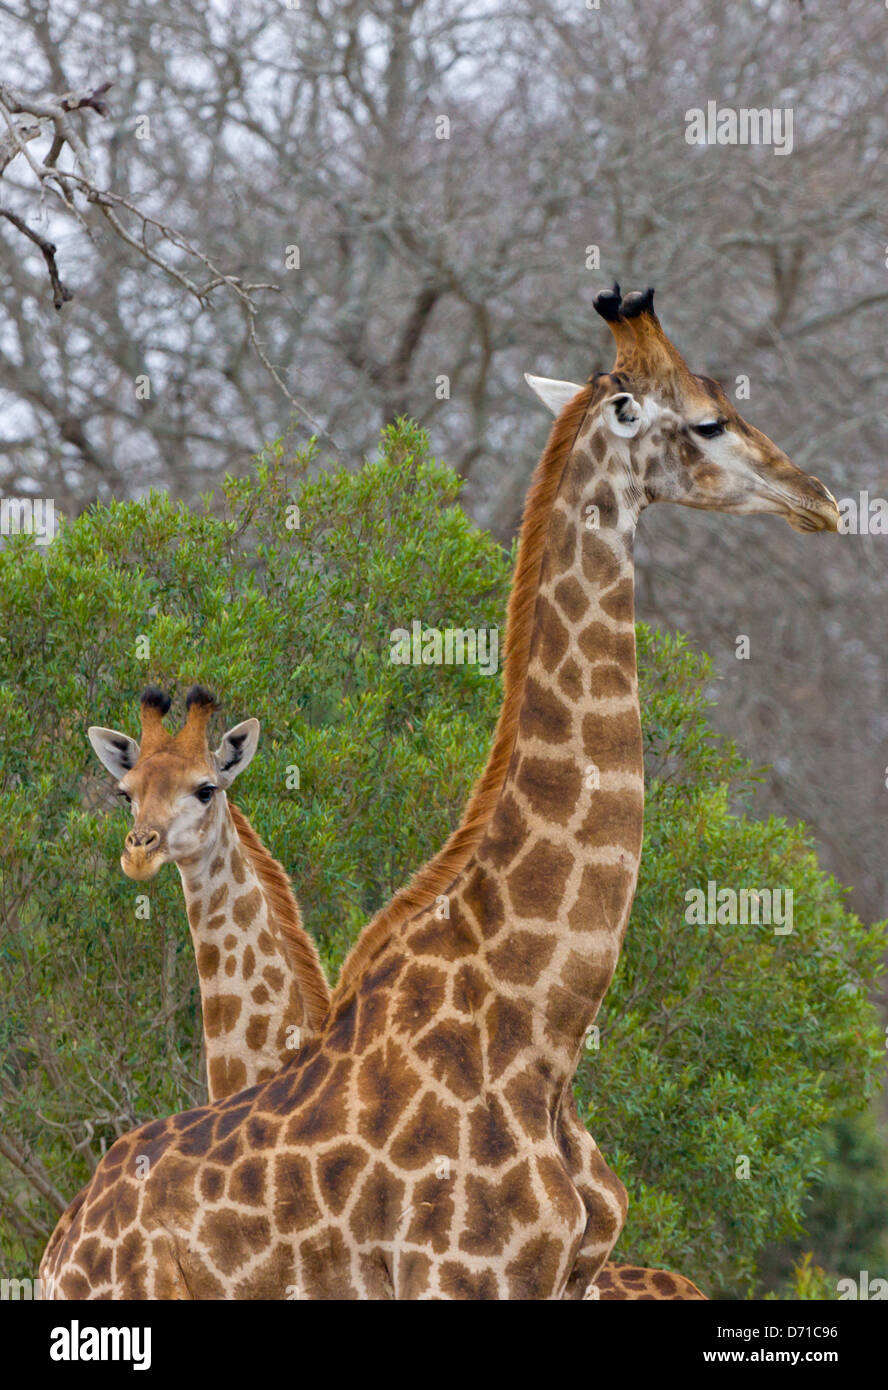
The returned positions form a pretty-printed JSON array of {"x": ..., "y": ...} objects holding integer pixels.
[
  {"x": 863, "y": 515},
  {"x": 26, "y": 1290},
  {"x": 740, "y": 907},
  {"x": 449, "y": 646},
  {"x": 740, "y": 125},
  {"x": 863, "y": 1287},
  {"x": 28, "y": 516},
  {"x": 78, "y": 1342}
]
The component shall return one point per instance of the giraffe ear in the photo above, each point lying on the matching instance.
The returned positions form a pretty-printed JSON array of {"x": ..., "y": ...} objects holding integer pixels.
[
  {"x": 554, "y": 394},
  {"x": 236, "y": 750},
  {"x": 623, "y": 415},
  {"x": 117, "y": 752}
]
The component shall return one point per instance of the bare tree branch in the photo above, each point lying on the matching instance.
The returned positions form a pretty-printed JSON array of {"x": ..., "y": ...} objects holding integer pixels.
[
  {"x": 56, "y": 110},
  {"x": 60, "y": 292}
]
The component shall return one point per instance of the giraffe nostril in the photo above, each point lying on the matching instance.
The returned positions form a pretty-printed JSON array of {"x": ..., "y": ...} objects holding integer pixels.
[{"x": 142, "y": 839}]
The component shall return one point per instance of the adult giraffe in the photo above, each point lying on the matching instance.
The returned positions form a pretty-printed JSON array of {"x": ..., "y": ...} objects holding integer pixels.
[{"x": 414, "y": 1149}]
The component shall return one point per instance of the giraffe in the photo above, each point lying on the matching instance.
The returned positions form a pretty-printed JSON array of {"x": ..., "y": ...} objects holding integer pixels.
[
  {"x": 414, "y": 1148},
  {"x": 647, "y": 357},
  {"x": 261, "y": 982},
  {"x": 262, "y": 986}
]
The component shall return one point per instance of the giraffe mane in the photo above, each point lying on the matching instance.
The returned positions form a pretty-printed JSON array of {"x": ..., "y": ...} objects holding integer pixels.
[
  {"x": 300, "y": 950},
  {"x": 438, "y": 873}
]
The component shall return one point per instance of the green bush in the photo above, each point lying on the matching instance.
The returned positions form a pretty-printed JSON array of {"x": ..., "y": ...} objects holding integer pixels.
[
  {"x": 715, "y": 1041},
  {"x": 845, "y": 1219}
]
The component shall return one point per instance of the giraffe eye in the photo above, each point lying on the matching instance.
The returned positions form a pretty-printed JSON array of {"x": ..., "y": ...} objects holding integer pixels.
[
  {"x": 205, "y": 794},
  {"x": 710, "y": 429}
]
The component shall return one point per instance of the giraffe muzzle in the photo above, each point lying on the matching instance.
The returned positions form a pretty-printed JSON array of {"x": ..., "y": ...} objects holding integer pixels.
[
  {"x": 817, "y": 512},
  {"x": 142, "y": 854},
  {"x": 802, "y": 500}
]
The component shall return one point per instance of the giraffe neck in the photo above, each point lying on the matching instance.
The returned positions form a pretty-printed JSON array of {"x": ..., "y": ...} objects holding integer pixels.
[
  {"x": 551, "y": 883},
  {"x": 254, "y": 1014}
]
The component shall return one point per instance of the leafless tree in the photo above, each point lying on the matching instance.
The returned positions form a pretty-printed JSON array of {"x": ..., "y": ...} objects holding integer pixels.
[{"x": 438, "y": 190}]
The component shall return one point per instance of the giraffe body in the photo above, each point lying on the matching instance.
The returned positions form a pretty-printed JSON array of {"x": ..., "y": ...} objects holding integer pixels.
[{"x": 631, "y": 1283}]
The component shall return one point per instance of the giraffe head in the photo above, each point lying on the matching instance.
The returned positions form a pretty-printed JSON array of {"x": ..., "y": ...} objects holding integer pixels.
[
  {"x": 679, "y": 436},
  {"x": 174, "y": 783}
]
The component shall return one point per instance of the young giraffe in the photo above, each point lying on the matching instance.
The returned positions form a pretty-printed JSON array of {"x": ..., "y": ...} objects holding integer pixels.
[
  {"x": 261, "y": 982},
  {"x": 263, "y": 990},
  {"x": 413, "y": 1149}
]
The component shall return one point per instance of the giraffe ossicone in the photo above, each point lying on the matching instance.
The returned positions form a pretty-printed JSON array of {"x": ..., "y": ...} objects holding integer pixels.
[{"x": 422, "y": 1145}]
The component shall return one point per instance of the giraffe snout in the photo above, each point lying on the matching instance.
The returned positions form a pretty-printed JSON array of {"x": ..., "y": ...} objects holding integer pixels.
[
  {"x": 806, "y": 503},
  {"x": 141, "y": 856},
  {"x": 815, "y": 509}
]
